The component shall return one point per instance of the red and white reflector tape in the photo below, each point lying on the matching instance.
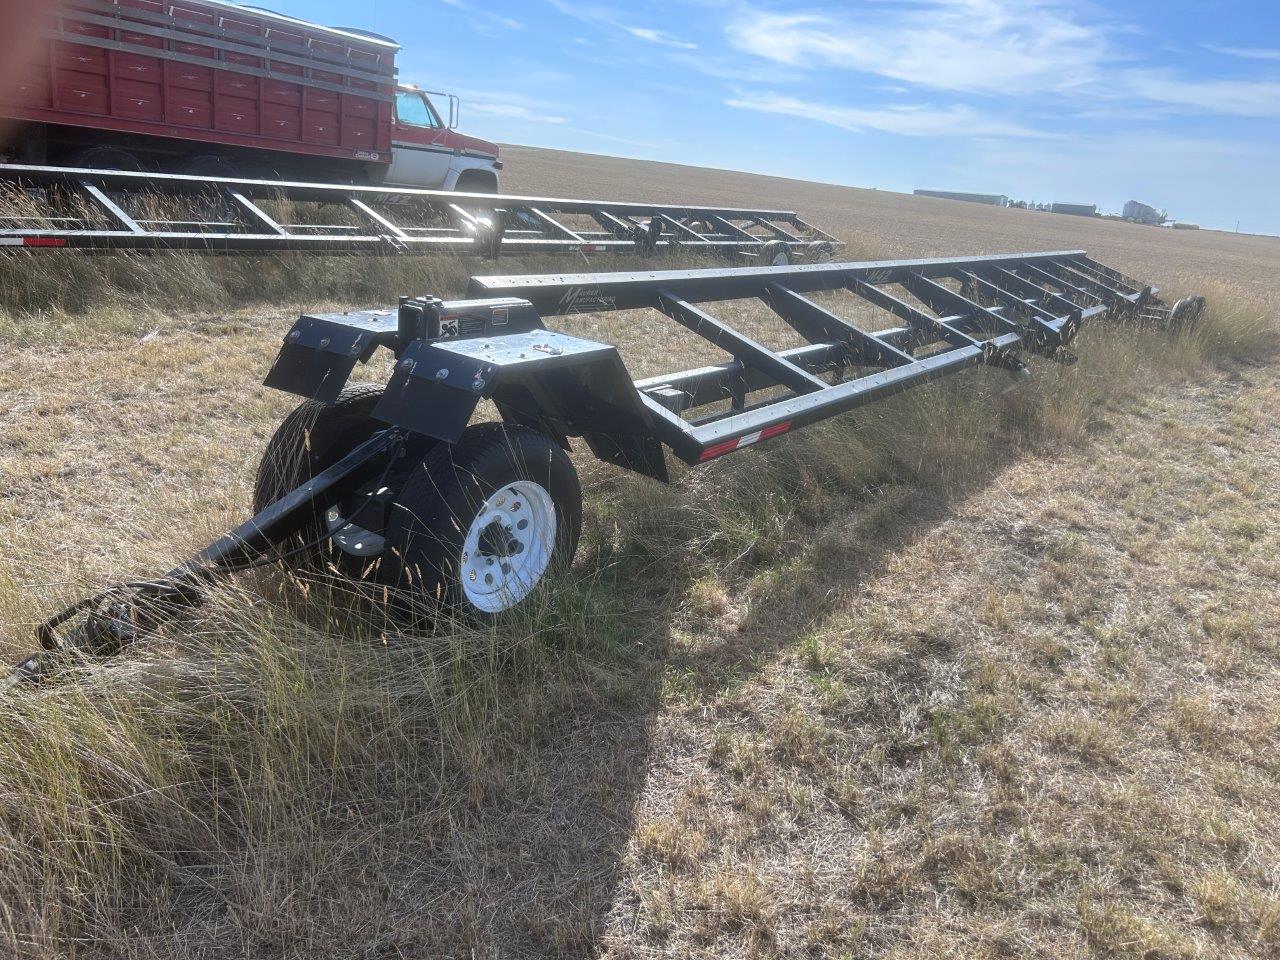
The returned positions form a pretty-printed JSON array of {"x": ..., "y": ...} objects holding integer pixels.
[
  {"x": 720, "y": 449},
  {"x": 32, "y": 242}
]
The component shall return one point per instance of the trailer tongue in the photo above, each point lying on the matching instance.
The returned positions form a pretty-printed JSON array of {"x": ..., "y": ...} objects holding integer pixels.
[{"x": 396, "y": 486}]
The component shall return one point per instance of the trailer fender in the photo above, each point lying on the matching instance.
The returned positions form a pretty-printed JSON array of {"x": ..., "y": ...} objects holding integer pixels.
[
  {"x": 562, "y": 385},
  {"x": 320, "y": 351}
]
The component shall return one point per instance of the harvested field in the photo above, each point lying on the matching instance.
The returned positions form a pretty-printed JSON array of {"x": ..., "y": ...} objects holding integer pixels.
[
  {"x": 970, "y": 674},
  {"x": 893, "y": 225}
]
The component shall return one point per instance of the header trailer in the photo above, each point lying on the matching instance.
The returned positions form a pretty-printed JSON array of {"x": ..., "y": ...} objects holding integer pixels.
[
  {"x": 58, "y": 208},
  {"x": 397, "y": 487}
]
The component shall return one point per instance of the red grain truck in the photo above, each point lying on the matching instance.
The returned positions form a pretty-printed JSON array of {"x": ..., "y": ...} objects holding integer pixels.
[{"x": 210, "y": 88}]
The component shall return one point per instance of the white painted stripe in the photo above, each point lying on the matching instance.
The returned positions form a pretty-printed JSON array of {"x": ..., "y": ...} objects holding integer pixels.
[
  {"x": 10, "y": 241},
  {"x": 749, "y": 439}
]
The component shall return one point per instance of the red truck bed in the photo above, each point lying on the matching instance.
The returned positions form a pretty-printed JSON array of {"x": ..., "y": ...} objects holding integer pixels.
[{"x": 204, "y": 70}]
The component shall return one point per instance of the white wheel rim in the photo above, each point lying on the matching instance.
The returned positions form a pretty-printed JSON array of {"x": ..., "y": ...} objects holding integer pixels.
[
  {"x": 508, "y": 546},
  {"x": 781, "y": 259}
]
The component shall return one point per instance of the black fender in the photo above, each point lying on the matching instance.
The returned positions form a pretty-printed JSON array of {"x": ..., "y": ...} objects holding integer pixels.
[
  {"x": 321, "y": 350},
  {"x": 562, "y": 385}
]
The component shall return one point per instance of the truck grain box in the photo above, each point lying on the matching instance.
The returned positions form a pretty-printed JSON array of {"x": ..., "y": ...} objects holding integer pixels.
[{"x": 212, "y": 88}]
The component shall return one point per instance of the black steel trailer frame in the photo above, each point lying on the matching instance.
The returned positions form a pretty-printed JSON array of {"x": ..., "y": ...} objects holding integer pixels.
[
  {"x": 950, "y": 315},
  {"x": 112, "y": 210}
]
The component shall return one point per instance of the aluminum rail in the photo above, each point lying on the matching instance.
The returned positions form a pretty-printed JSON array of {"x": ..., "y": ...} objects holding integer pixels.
[{"x": 62, "y": 207}]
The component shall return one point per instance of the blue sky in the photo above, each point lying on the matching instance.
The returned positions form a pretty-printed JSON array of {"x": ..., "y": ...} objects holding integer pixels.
[{"x": 1172, "y": 102}]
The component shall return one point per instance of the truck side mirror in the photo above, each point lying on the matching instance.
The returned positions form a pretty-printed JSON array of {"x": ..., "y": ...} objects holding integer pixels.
[{"x": 455, "y": 109}]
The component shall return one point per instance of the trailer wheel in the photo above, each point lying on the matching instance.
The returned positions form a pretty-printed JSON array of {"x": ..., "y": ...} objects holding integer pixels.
[
  {"x": 311, "y": 439},
  {"x": 776, "y": 254},
  {"x": 482, "y": 521}
]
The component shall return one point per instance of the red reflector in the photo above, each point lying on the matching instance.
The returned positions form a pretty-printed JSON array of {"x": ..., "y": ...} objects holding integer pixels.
[
  {"x": 737, "y": 443},
  {"x": 588, "y": 248},
  {"x": 43, "y": 242},
  {"x": 775, "y": 430},
  {"x": 719, "y": 450}
]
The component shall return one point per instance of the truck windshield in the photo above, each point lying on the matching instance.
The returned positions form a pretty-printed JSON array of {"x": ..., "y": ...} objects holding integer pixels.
[{"x": 411, "y": 108}]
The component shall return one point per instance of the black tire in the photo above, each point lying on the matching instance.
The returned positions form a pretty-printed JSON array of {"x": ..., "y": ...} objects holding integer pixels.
[
  {"x": 208, "y": 165},
  {"x": 311, "y": 439},
  {"x": 105, "y": 158},
  {"x": 442, "y": 503},
  {"x": 775, "y": 253},
  {"x": 96, "y": 158},
  {"x": 476, "y": 183}
]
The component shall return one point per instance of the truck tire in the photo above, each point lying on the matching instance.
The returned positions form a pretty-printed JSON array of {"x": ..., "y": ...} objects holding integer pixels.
[
  {"x": 208, "y": 165},
  {"x": 473, "y": 181},
  {"x": 311, "y": 439},
  {"x": 483, "y": 521},
  {"x": 105, "y": 158},
  {"x": 96, "y": 158}
]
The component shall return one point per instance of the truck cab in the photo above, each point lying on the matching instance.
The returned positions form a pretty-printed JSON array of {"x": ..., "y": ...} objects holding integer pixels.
[{"x": 428, "y": 152}]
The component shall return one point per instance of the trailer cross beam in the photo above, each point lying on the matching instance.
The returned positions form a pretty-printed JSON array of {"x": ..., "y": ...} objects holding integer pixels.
[{"x": 57, "y": 207}]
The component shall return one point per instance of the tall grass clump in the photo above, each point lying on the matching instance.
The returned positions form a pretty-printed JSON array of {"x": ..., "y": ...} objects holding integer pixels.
[
  {"x": 836, "y": 490},
  {"x": 1236, "y": 329},
  {"x": 216, "y": 789}
]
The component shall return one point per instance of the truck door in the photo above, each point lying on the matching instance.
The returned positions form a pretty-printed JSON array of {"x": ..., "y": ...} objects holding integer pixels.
[{"x": 420, "y": 152}]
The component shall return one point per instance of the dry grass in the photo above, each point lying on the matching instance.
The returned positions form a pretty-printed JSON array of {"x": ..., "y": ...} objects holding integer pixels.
[{"x": 971, "y": 673}]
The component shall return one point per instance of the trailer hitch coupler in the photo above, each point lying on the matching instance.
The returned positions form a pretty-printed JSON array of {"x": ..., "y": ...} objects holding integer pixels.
[{"x": 418, "y": 319}]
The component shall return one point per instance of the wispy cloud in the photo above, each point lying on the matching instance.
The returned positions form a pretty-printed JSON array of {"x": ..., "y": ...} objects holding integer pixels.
[
  {"x": 512, "y": 111},
  {"x": 485, "y": 18},
  {"x": 1242, "y": 98},
  {"x": 605, "y": 16},
  {"x": 908, "y": 121},
  {"x": 1244, "y": 53},
  {"x": 967, "y": 46},
  {"x": 657, "y": 36},
  {"x": 1013, "y": 49}
]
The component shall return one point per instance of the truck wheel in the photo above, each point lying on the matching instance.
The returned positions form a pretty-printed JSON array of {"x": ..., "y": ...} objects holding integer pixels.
[
  {"x": 471, "y": 182},
  {"x": 105, "y": 158},
  {"x": 209, "y": 166},
  {"x": 95, "y": 158},
  {"x": 311, "y": 439},
  {"x": 482, "y": 521}
]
